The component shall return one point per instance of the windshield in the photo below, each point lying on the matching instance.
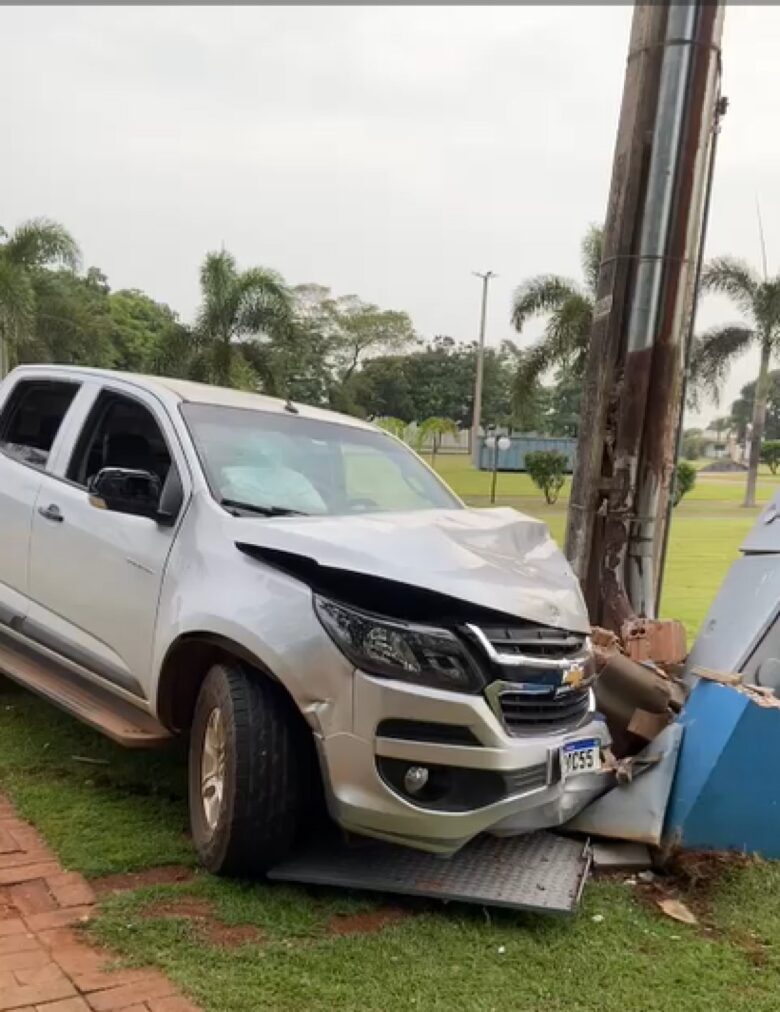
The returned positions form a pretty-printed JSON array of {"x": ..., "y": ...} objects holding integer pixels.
[{"x": 284, "y": 463}]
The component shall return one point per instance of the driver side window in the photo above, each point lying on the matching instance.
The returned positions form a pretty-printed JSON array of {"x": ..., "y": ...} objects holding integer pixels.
[{"x": 120, "y": 432}]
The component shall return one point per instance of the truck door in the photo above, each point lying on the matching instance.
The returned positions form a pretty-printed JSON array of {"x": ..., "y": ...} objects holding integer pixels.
[
  {"x": 30, "y": 419},
  {"x": 95, "y": 574}
]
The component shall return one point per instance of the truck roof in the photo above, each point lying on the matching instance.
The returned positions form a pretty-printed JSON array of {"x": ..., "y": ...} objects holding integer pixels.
[{"x": 190, "y": 392}]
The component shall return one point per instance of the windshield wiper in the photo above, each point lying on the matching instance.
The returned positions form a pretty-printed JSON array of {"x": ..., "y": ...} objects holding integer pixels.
[{"x": 233, "y": 505}]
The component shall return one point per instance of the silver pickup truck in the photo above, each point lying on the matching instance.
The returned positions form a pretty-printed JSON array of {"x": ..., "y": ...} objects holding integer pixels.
[{"x": 303, "y": 597}]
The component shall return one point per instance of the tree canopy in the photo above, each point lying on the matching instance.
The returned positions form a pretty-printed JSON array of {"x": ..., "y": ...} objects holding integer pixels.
[
  {"x": 567, "y": 307},
  {"x": 742, "y": 407},
  {"x": 25, "y": 255}
]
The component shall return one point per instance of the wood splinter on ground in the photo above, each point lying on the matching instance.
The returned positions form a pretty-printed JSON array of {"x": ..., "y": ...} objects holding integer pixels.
[{"x": 677, "y": 910}]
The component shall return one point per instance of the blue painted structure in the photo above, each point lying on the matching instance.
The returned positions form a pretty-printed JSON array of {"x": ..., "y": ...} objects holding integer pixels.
[
  {"x": 726, "y": 791},
  {"x": 513, "y": 458}
]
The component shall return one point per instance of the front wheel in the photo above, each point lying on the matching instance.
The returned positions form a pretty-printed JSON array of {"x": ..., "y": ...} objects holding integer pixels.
[{"x": 247, "y": 773}]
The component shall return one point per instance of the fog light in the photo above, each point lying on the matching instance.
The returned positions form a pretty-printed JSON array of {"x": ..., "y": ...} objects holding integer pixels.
[{"x": 415, "y": 778}]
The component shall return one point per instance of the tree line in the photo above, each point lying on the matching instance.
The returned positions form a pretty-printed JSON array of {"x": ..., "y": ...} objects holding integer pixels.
[
  {"x": 568, "y": 307},
  {"x": 254, "y": 330}
]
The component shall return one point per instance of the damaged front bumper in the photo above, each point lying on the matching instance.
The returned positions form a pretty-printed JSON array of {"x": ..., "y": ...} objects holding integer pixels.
[{"x": 481, "y": 779}]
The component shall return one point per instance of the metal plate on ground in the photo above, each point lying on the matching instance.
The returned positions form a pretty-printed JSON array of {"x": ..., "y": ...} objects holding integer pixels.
[{"x": 540, "y": 871}]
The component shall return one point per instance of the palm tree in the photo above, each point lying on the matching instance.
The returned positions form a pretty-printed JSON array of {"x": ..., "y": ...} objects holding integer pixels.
[
  {"x": 434, "y": 428},
  {"x": 34, "y": 245},
  {"x": 569, "y": 310},
  {"x": 721, "y": 425},
  {"x": 395, "y": 426},
  {"x": 715, "y": 351},
  {"x": 234, "y": 305}
]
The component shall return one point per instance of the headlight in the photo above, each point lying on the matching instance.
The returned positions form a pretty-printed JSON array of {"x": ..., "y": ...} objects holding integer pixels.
[{"x": 394, "y": 649}]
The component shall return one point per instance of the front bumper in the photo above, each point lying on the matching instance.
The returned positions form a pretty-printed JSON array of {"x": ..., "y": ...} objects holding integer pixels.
[{"x": 535, "y": 797}]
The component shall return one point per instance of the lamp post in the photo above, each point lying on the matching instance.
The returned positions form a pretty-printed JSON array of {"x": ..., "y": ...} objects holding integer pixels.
[
  {"x": 496, "y": 443},
  {"x": 477, "y": 413}
]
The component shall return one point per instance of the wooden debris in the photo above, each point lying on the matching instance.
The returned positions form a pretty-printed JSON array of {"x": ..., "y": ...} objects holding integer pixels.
[
  {"x": 677, "y": 910},
  {"x": 732, "y": 678},
  {"x": 760, "y": 696},
  {"x": 605, "y": 645}
]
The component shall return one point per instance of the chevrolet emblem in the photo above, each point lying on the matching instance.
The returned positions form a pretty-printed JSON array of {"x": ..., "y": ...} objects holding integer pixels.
[{"x": 574, "y": 676}]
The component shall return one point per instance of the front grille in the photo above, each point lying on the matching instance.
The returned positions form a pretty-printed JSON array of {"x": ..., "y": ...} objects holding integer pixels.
[
  {"x": 536, "y": 712},
  {"x": 532, "y": 640}
]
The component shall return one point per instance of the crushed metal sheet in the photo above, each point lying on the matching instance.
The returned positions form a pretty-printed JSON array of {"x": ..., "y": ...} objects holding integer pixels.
[
  {"x": 636, "y": 811},
  {"x": 620, "y": 855},
  {"x": 542, "y": 871}
]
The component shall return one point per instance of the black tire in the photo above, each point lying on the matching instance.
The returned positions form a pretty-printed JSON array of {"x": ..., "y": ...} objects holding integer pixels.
[{"x": 266, "y": 769}]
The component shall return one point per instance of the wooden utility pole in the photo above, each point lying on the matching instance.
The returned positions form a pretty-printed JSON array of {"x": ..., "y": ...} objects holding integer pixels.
[{"x": 634, "y": 376}]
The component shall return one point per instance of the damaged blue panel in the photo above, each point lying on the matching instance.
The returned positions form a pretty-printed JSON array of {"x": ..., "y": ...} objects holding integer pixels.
[{"x": 726, "y": 792}]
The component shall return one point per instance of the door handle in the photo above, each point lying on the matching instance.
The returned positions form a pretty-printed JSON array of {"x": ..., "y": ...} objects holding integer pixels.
[{"x": 51, "y": 512}]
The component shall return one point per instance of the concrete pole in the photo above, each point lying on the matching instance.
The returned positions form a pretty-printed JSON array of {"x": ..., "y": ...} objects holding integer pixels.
[
  {"x": 476, "y": 417},
  {"x": 588, "y": 523},
  {"x": 633, "y": 384}
]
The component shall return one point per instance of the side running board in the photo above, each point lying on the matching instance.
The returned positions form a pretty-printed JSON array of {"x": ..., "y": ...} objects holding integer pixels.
[{"x": 100, "y": 709}]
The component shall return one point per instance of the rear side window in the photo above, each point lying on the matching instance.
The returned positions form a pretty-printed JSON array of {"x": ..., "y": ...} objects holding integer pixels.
[{"x": 31, "y": 419}]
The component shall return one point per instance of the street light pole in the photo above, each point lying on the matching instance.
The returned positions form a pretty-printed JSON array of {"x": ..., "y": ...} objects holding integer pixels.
[
  {"x": 477, "y": 413},
  {"x": 495, "y": 443}
]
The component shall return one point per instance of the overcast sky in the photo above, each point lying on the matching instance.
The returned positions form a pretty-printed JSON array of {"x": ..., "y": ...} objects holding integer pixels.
[{"x": 383, "y": 151}]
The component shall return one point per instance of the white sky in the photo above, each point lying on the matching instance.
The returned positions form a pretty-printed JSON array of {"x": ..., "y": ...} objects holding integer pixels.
[{"x": 387, "y": 151}]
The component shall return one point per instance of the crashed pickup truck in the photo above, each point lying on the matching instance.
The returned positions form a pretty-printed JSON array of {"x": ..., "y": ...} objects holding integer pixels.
[{"x": 302, "y": 596}]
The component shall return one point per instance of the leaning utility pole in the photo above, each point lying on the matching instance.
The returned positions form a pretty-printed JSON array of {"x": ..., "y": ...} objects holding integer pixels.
[
  {"x": 643, "y": 314},
  {"x": 477, "y": 413}
]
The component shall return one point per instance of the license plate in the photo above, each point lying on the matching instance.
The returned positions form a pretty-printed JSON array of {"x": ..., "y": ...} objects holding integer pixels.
[{"x": 580, "y": 757}]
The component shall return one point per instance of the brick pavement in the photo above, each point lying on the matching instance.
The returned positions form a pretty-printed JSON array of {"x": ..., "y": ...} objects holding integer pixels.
[{"x": 44, "y": 965}]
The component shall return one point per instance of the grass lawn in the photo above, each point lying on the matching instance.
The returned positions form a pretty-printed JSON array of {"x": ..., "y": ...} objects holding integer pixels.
[{"x": 125, "y": 811}]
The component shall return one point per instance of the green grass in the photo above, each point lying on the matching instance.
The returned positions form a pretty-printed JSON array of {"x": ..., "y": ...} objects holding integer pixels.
[
  {"x": 456, "y": 957},
  {"x": 117, "y": 811},
  {"x": 127, "y": 811}
]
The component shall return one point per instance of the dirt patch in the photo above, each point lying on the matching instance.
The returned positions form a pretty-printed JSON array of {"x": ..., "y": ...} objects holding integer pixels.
[
  {"x": 119, "y": 883},
  {"x": 230, "y": 935},
  {"x": 209, "y": 927},
  {"x": 367, "y": 923},
  {"x": 694, "y": 876},
  {"x": 190, "y": 907}
]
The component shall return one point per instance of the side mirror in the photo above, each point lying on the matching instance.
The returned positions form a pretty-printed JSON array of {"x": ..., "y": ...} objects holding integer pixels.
[{"x": 124, "y": 490}]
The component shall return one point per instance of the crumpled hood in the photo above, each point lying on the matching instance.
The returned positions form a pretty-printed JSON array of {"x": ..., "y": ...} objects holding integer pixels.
[{"x": 495, "y": 558}]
